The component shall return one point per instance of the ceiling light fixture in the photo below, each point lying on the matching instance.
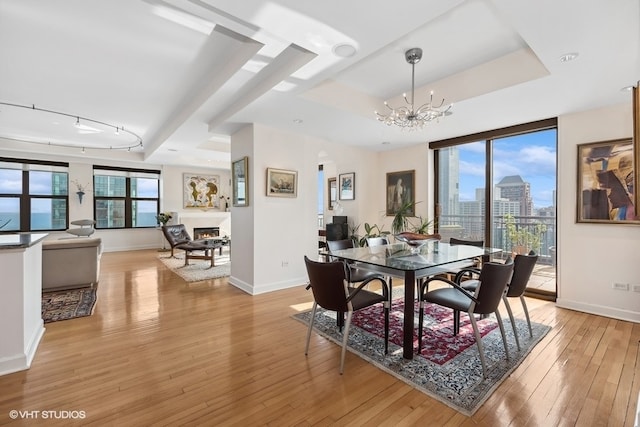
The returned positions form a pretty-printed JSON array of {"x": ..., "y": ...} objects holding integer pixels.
[
  {"x": 567, "y": 57},
  {"x": 84, "y": 129},
  {"x": 407, "y": 117}
]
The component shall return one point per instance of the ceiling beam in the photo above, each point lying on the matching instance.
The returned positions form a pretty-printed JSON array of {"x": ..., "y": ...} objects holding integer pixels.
[
  {"x": 209, "y": 73},
  {"x": 287, "y": 62}
]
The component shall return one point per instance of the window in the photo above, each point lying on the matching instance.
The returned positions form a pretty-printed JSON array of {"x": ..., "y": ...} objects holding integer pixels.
[
  {"x": 499, "y": 187},
  {"x": 33, "y": 195},
  {"x": 126, "y": 198}
]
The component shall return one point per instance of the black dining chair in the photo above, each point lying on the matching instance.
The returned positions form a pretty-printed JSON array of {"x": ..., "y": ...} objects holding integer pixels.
[
  {"x": 372, "y": 242},
  {"x": 523, "y": 266},
  {"x": 354, "y": 274},
  {"x": 327, "y": 282},
  {"x": 491, "y": 286}
]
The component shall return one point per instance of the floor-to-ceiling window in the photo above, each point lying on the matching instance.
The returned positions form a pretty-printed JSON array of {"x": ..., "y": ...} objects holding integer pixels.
[{"x": 500, "y": 187}]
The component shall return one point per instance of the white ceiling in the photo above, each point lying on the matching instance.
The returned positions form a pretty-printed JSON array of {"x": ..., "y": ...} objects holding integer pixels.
[{"x": 185, "y": 74}]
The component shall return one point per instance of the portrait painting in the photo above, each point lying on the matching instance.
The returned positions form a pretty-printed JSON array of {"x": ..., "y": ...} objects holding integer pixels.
[{"x": 400, "y": 191}]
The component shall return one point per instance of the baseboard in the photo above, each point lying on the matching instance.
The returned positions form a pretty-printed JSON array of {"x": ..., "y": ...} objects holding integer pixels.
[
  {"x": 264, "y": 288},
  {"x": 600, "y": 310},
  {"x": 22, "y": 361}
]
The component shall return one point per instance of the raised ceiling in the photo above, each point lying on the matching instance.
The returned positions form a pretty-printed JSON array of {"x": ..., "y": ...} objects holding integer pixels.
[{"x": 185, "y": 74}]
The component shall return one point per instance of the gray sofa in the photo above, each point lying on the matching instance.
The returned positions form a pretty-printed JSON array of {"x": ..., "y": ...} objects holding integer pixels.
[{"x": 70, "y": 263}]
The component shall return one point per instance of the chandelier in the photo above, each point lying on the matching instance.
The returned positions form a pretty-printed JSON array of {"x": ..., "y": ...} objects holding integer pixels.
[{"x": 408, "y": 117}]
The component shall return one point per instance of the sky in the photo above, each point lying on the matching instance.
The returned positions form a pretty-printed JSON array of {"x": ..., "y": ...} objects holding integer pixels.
[{"x": 532, "y": 156}]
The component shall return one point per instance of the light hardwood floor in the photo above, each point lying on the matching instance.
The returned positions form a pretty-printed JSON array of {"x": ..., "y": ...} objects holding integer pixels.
[{"x": 159, "y": 351}]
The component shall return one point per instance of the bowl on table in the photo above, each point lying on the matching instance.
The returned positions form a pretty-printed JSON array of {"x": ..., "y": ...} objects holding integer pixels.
[{"x": 415, "y": 240}]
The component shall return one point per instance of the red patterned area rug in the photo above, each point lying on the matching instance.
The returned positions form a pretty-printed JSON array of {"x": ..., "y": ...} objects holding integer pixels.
[
  {"x": 449, "y": 368},
  {"x": 69, "y": 304},
  {"x": 439, "y": 345}
]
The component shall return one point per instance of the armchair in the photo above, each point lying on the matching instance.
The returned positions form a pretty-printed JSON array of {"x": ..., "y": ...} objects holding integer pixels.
[
  {"x": 354, "y": 274},
  {"x": 175, "y": 235},
  {"x": 327, "y": 282},
  {"x": 523, "y": 266},
  {"x": 491, "y": 286}
]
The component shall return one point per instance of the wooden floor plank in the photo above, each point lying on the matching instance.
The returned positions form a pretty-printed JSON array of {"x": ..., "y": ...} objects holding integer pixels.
[{"x": 159, "y": 351}]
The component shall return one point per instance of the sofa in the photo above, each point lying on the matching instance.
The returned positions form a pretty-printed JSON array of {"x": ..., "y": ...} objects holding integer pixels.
[{"x": 70, "y": 263}]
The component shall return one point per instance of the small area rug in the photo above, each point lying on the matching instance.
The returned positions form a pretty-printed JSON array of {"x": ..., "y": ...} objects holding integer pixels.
[
  {"x": 449, "y": 368},
  {"x": 198, "y": 270},
  {"x": 69, "y": 304}
]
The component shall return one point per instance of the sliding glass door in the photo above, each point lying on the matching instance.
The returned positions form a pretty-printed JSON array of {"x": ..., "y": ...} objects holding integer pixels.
[{"x": 500, "y": 187}]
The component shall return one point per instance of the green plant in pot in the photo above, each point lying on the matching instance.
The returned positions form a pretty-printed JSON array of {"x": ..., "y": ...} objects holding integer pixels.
[
  {"x": 524, "y": 237},
  {"x": 401, "y": 221},
  {"x": 372, "y": 231}
]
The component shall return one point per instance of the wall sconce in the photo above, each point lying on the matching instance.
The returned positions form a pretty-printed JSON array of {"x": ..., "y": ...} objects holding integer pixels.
[{"x": 80, "y": 195}]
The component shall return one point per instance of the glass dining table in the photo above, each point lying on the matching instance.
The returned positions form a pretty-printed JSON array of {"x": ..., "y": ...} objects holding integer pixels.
[{"x": 412, "y": 264}]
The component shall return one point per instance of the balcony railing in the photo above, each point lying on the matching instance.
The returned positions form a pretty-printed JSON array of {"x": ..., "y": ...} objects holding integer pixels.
[{"x": 543, "y": 278}]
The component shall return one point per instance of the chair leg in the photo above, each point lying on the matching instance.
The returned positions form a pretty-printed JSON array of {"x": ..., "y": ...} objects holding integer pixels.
[
  {"x": 504, "y": 336},
  {"x": 345, "y": 339},
  {"x": 456, "y": 322},
  {"x": 479, "y": 342},
  {"x": 387, "y": 304},
  {"x": 313, "y": 316},
  {"x": 513, "y": 322},
  {"x": 526, "y": 314}
]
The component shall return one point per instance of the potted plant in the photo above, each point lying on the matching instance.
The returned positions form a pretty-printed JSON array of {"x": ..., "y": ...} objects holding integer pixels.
[
  {"x": 163, "y": 218},
  {"x": 401, "y": 221},
  {"x": 524, "y": 237},
  {"x": 371, "y": 231}
]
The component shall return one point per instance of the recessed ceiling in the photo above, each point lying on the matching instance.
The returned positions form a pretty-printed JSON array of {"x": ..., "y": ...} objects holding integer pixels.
[{"x": 185, "y": 74}]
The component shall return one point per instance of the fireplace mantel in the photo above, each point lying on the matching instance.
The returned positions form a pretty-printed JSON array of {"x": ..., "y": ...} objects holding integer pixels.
[{"x": 199, "y": 219}]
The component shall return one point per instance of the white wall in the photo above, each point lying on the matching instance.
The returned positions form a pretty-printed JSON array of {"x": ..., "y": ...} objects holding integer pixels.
[
  {"x": 242, "y": 228},
  {"x": 591, "y": 257}
]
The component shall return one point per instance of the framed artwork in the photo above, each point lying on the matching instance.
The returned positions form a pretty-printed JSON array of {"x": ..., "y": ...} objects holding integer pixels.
[
  {"x": 606, "y": 181},
  {"x": 332, "y": 188},
  {"x": 240, "y": 182},
  {"x": 400, "y": 190},
  {"x": 201, "y": 191},
  {"x": 636, "y": 144},
  {"x": 347, "y": 186},
  {"x": 282, "y": 183}
]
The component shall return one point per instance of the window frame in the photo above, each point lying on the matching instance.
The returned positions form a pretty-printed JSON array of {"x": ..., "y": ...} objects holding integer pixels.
[
  {"x": 25, "y": 197},
  {"x": 488, "y": 137},
  {"x": 128, "y": 174}
]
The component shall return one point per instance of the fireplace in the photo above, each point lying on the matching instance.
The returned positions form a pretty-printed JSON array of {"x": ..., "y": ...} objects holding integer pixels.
[{"x": 206, "y": 232}]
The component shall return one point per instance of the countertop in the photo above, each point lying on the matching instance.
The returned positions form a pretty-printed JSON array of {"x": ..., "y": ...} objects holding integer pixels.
[{"x": 18, "y": 240}]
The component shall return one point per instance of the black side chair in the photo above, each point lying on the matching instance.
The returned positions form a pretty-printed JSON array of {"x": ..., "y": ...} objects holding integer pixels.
[
  {"x": 381, "y": 241},
  {"x": 327, "y": 282},
  {"x": 523, "y": 266},
  {"x": 491, "y": 286},
  {"x": 354, "y": 274}
]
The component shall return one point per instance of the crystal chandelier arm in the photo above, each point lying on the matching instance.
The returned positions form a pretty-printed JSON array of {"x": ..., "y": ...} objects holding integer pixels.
[{"x": 407, "y": 117}]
